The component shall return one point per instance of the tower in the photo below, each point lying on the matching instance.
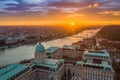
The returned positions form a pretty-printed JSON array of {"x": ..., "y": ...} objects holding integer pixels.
[{"x": 40, "y": 55}]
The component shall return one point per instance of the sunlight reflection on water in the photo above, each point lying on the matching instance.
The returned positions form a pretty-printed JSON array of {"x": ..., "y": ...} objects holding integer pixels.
[{"x": 13, "y": 55}]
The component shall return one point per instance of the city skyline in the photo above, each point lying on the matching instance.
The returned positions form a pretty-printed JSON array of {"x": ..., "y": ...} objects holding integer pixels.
[{"x": 59, "y": 12}]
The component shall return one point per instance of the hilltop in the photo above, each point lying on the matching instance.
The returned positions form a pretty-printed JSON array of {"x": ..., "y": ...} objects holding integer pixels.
[{"x": 111, "y": 32}]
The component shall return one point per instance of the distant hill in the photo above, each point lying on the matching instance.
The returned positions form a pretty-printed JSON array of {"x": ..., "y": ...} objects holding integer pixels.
[{"x": 111, "y": 32}]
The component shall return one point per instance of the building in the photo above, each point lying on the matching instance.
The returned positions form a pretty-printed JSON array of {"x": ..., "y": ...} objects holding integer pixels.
[
  {"x": 71, "y": 54},
  {"x": 13, "y": 71},
  {"x": 54, "y": 69},
  {"x": 95, "y": 65},
  {"x": 11, "y": 40},
  {"x": 41, "y": 68},
  {"x": 54, "y": 52}
]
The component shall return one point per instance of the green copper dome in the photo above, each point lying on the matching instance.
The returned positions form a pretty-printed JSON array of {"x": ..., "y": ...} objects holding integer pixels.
[{"x": 39, "y": 48}]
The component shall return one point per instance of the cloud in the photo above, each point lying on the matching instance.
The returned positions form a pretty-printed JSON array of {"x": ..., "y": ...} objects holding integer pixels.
[
  {"x": 70, "y": 10},
  {"x": 115, "y": 13},
  {"x": 75, "y": 15},
  {"x": 95, "y": 5},
  {"x": 50, "y": 7},
  {"x": 110, "y": 5},
  {"x": 4, "y": 6},
  {"x": 33, "y": 1}
]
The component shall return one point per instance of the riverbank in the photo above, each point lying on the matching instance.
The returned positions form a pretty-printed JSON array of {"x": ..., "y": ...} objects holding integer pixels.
[
  {"x": 36, "y": 38},
  {"x": 13, "y": 55},
  {"x": 34, "y": 41}
]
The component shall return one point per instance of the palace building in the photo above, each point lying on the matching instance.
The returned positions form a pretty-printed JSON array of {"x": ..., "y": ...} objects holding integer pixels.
[
  {"x": 94, "y": 65},
  {"x": 54, "y": 52},
  {"x": 41, "y": 68}
]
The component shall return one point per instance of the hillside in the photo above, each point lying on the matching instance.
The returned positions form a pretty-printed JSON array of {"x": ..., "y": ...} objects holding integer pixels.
[{"x": 111, "y": 32}]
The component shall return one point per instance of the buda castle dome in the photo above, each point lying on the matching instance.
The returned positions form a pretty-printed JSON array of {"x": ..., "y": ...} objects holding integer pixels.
[{"x": 39, "y": 48}]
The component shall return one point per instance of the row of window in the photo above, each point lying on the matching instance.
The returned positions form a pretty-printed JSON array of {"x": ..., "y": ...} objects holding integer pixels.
[
  {"x": 91, "y": 73},
  {"x": 105, "y": 57}
]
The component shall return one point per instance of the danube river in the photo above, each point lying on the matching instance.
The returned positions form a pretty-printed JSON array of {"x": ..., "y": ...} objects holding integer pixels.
[{"x": 12, "y": 55}]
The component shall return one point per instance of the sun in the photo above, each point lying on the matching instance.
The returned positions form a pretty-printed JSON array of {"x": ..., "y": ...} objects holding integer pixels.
[{"x": 72, "y": 23}]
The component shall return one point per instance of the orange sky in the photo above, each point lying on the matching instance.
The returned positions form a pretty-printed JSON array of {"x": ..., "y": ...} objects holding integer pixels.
[{"x": 59, "y": 12}]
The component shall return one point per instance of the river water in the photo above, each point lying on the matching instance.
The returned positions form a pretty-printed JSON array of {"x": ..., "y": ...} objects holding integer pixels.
[{"x": 12, "y": 55}]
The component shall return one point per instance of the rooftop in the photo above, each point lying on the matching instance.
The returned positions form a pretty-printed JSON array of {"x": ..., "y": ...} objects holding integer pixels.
[
  {"x": 52, "y": 49},
  {"x": 11, "y": 70},
  {"x": 96, "y": 62},
  {"x": 104, "y": 65},
  {"x": 69, "y": 47},
  {"x": 97, "y": 53},
  {"x": 51, "y": 63}
]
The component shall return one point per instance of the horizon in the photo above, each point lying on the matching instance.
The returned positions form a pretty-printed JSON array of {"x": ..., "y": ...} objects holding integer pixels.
[{"x": 60, "y": 25}]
